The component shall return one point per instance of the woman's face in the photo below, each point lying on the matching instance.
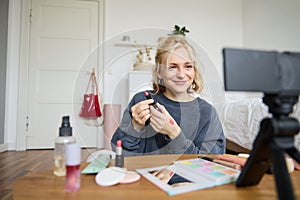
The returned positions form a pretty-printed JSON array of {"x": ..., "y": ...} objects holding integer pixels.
[{"x": 177, "y": 72}]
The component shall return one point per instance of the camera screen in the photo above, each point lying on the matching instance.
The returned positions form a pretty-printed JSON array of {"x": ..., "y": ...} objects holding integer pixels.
[
  {"x": 290, "y": 63},
  {"x": 261, "y": 71},
  {"x": 249, "y": 70}
]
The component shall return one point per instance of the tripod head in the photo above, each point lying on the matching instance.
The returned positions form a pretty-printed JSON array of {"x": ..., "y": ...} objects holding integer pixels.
[{"x": 280, "y": 105}]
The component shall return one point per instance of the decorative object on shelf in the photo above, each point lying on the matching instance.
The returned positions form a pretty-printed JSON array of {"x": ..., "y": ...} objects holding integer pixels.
[
  {"x": 143, "y": 59},
  {"x": 139, "y": 56},
  {"x": 179, "y": 31},
  {"x": 126, "y": 38},
  {"x": 127, "y": 42},
  {"x": 133, "y": 44}
]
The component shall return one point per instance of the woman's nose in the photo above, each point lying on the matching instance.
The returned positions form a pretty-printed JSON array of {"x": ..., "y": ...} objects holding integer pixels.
[{"x": 180, "y": 72}]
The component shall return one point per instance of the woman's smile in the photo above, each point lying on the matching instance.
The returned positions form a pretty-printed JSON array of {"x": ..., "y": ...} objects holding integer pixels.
[{"x": 179, "y": 82}]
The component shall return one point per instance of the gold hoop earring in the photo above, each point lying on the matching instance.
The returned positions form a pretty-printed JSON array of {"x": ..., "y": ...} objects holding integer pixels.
[{"x": 193, "y": 86}]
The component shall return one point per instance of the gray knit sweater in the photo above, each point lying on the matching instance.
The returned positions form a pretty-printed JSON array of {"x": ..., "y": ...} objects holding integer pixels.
[{"x": 201, "y": 130}]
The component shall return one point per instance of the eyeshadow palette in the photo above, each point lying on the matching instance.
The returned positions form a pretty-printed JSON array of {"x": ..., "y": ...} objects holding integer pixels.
[
  {"x": 218, "y": 173},
  {"x": 189, "y": 175}
]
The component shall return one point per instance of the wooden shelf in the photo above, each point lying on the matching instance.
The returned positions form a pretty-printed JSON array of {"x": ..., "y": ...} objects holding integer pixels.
[{"x": 134, "y": 44}]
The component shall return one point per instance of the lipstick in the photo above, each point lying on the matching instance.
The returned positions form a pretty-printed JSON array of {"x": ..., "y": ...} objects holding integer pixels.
[
  {"x": 148, "y": 96},
  {"x": 119, "y": 162}
]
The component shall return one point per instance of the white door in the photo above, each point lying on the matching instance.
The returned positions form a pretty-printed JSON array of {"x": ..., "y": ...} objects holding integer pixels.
[{"x": 63, "y": 34}]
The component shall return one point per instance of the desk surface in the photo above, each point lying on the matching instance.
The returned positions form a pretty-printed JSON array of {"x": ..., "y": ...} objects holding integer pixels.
[{"x": 47, "y": 186}]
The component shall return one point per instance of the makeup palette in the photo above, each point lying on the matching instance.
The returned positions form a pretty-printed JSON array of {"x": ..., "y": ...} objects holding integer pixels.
[{"x": 210, "y": 170}]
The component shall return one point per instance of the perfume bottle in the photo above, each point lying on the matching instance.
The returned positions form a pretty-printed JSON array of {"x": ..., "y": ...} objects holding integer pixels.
[{"x": 65, "y": 137}]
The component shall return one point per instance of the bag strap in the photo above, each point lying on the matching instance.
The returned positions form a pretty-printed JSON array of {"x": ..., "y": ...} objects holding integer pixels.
[
  {"x": 87, "y": 88},
  {"x": 93, "y": 83}
]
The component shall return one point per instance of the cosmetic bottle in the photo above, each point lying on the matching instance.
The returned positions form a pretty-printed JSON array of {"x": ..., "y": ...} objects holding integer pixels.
[
  {"x": 73, "y": 160},
  {"x": 65, "y": 137},
  {"x": 119, "y": 160}
]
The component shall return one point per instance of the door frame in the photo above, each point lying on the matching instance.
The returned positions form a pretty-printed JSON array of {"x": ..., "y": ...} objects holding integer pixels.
[{"x": 24, "y": 67}]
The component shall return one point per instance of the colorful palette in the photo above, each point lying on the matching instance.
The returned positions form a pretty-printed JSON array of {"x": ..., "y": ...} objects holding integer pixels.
[{"x": 210, "y": 170}]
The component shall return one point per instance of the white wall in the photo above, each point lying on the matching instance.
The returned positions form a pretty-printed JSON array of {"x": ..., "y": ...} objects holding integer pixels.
[
  {"x": 271, "y": 24},
  {"x": 3, "y": 67},
  {"x": 13, "y": 50},
  {"x": 213, "y": 24}
]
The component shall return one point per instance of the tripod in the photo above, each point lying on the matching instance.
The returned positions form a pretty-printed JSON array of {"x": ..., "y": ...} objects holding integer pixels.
[{"x": 275, "y": 138}]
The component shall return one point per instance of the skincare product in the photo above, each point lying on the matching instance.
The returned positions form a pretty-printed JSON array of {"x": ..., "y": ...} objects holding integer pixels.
[
  {"x": 73, "y": 160},
  {"x": 65, "y": 137},
  {"x": 97, "y": 165}
]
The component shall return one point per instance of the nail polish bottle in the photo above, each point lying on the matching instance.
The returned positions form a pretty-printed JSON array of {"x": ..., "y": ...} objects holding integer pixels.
[
  {"x": 73, "y": 160},
  {"x": 119, "y": 162}
]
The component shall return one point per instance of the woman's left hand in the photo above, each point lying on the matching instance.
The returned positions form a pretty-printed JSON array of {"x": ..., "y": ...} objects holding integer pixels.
[{"x": 161, "y": 121}]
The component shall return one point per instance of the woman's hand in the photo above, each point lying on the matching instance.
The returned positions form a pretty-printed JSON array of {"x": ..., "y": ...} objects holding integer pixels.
[
  {"x": 161, "y": 121},
  {"x": 140, "y": 113}
]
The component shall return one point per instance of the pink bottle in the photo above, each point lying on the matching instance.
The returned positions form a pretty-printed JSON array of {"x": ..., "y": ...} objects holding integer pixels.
[{"x": 73, "y": 160}]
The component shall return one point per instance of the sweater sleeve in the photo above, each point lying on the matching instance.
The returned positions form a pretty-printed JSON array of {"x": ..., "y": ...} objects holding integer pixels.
[{"x": 208, "y": 139}]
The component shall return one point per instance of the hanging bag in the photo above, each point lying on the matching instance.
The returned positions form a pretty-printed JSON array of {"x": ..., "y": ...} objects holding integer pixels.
[{"x": 90, "y": 106}]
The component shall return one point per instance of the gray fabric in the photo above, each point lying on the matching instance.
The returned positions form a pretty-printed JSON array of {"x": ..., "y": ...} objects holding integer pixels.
[{"x": 201, "y": 130}]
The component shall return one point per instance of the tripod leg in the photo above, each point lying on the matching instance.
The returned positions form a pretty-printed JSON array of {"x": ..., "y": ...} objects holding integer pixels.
[
  {"x": 282, "y": 177},
  {"x": 294, "y": 153},
  {"x": 258, "y": 162}
]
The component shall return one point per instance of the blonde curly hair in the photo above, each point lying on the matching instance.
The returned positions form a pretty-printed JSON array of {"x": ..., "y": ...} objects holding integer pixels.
[{"x": 167, "y": 45}]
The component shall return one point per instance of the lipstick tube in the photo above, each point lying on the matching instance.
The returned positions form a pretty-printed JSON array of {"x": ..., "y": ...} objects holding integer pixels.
[{"x": 119, "y": 162}]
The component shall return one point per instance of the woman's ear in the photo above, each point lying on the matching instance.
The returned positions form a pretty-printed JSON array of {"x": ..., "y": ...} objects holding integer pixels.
[
  {"x": 159, "y": 76},
  {"x": 158, "y": 73}
]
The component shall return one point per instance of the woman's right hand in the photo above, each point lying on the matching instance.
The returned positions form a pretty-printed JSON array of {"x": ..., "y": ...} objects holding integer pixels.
[{"x": 141, "y": 113}]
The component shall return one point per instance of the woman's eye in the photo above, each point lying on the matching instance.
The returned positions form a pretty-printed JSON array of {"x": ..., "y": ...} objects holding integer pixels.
[
  {"x": 172, "y": 67},
  {"x": 189, "y": 66}
]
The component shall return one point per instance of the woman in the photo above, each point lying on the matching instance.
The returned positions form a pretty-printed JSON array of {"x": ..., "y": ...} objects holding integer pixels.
[{"x": 179, "y": 122}]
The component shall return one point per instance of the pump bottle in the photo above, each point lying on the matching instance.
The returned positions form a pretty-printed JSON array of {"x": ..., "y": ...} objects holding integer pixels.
[{"x": 65, "y": 137}]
